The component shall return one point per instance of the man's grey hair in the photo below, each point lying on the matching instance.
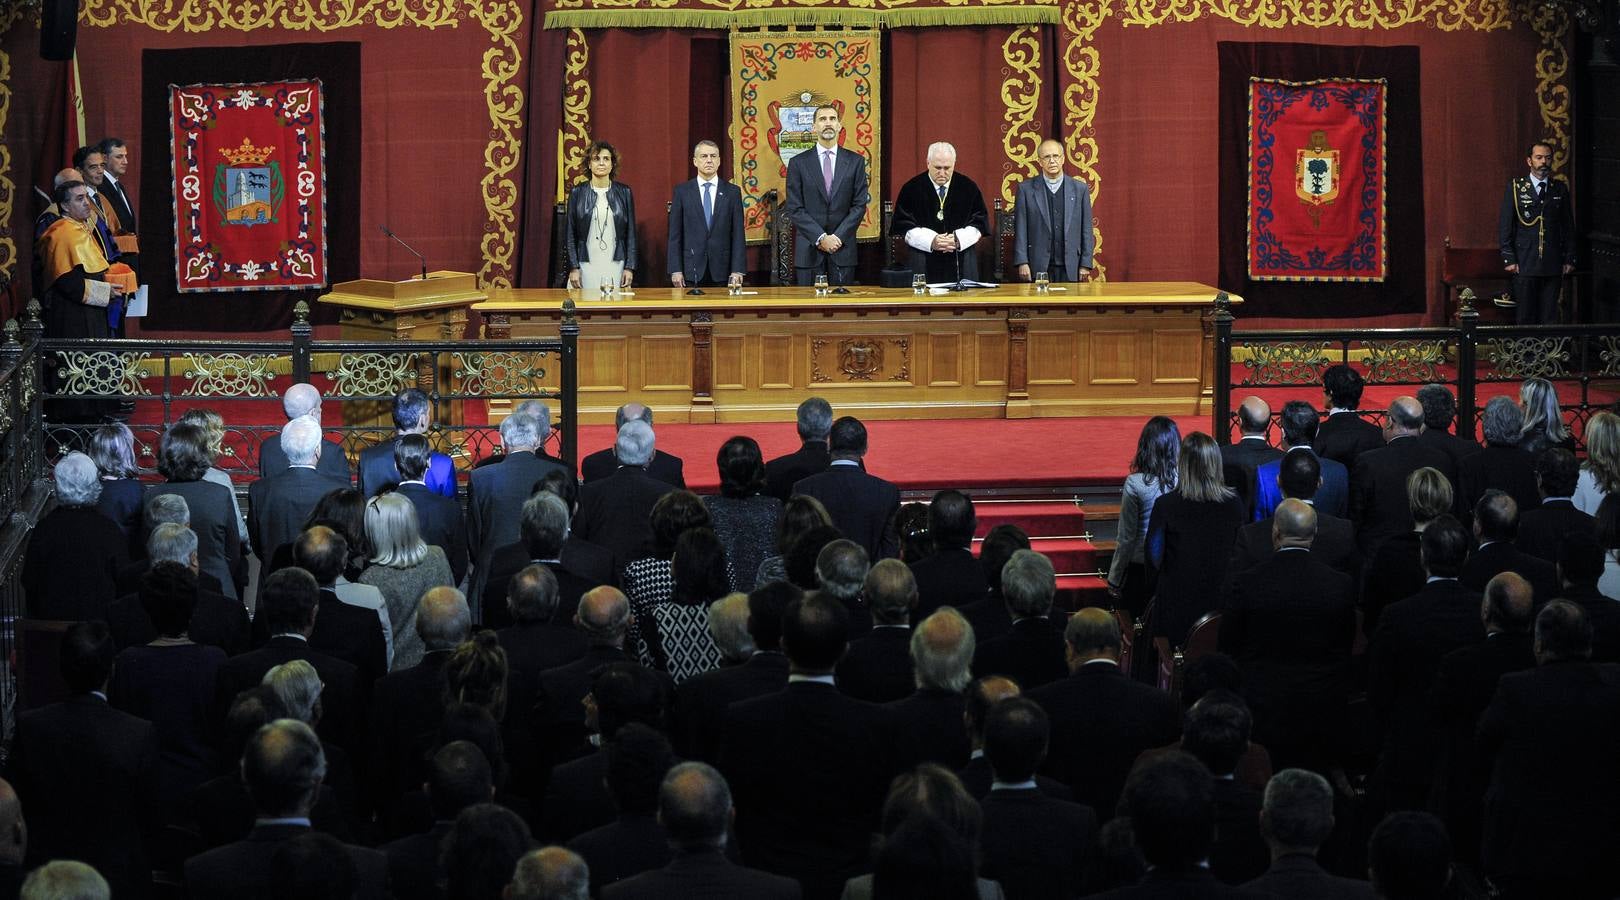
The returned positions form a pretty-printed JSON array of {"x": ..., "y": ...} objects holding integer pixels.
[
  {"x": 171, "y": 542},
  {"x": 1502, "y": 421},
  {"x": 297, "y": 686},
  {"x": 1028, "y": 583},
  {"x": 168, "y": 509},
  {"x": 942, "y": 649},
  {"x": 891, "y": 592},
  {"x": 636, "y": 444},
  {"x": 841, "y": 569},
  {"x": 301, "y": 400},
  {"x": 301, "y": 441},
  {"x": 520, "y": 432},
  {"x": 550, "y": 873},
  {"x": 941, "y": 148},
  {"x": 704, "y": 143},
  {"x": 815, "y": 419},
  {"x": 531, "y": 595},
  {"x": 78, "y": 482},
  {"x": 541, "y": 413},
  {"x": 65, "y": 879},
  {"x": 632, "y": 412},
  {"x": 545, "y": 516},
  {"x": 694, "y": 806},
  {"x": 1298, "y": 809},
  {"x": 443, "y": 626},
  {"x": 728, "y": 626}
]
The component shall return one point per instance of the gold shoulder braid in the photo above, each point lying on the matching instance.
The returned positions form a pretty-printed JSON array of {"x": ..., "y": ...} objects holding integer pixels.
[{"x": 1524, "y": 198}]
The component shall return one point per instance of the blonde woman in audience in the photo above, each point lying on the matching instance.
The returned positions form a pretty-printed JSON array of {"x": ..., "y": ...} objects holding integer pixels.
[
  {"x": 403, "y": 567},
  {"x": 1189, "y": 540},
  {"x": 1543, "y": 419},
  {"x": 1600, "y": 474}
]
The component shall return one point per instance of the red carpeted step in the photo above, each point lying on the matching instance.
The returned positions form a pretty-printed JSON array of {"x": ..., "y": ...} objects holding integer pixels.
[
  {"x": 1079, "y": 591},
  {"x": 1069, "y": 556},
  {"x": 1038, "y": 518}
]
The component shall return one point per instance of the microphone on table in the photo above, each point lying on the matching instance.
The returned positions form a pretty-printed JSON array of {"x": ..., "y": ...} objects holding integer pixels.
[{"x": 386, "y": 230}]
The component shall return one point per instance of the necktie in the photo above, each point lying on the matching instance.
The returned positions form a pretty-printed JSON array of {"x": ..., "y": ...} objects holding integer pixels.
[
  {"x": 826, "y": 170},
  {"x": 942, "y": 193},
  {"x": 708, "y": 204},
  {"x": 1541, "y": 191}
]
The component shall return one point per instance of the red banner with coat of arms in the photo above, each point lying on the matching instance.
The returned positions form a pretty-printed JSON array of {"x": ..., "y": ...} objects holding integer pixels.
[
  {"x": 1316, "y": 180},
  {"x": 249, "y": 186}
]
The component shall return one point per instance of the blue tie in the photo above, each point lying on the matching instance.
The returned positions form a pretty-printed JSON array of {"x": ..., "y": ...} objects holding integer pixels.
[{"x": 708, "y": 204}]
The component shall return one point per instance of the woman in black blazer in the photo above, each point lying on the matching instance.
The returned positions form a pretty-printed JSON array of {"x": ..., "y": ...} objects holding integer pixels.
[
  {"x": 601, "y": 224},
  {"x": 122, "y": 494},
  {"x": 184, "y": 460}
]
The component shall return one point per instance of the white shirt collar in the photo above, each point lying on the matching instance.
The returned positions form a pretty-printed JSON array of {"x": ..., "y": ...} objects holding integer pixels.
[
  {"x": 1433, "y": 578},
  {"x": 1537, "y": 182},
  {"x": 292, "y": 634},
  {"x": 1337, "y": 409},
  {"x": 1053, "y": 184},
  {"x": 1013, "y": 785},
  {"x": 1100, "y": 660},
  {"x": 977, "y": 754},
  {"x": 413, "y": 481},
  {"x": 846, "y": 462},
  {"x": 1254, "y": 437},
  {"x": 715, "y": 182},
  {"x": 814, "y": 679},
  {"x": 109, "y": 176}
]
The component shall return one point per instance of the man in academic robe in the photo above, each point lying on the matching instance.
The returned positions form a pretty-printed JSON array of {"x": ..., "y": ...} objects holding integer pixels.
[
  {"x": 1052, "y": 220},
  {"x": 827, "y": 193},
  {"x": 1536, "y": 231},
  {"x": 706, "y": 225},
  {"x": 941, "y": 216},
  {"x": 78, "y": 297},
  {"x": 92, "y": 164}
]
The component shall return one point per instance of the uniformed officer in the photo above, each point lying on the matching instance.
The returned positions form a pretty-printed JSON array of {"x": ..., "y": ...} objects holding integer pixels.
[{"x": 1537, "y": 234}]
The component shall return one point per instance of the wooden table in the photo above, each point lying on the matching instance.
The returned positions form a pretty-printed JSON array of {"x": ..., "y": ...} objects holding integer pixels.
[{"x": 1094, "y": 349}]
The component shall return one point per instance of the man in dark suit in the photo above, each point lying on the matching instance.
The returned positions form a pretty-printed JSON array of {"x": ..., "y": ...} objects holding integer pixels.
[
  {"x": 438, "y": 517},
  {"x": 1215, "y": 731},
  {"x": 577, "y": 799},
  {"x": 665, "y": 467},
  {"x": 413, "y": 414},
  {"x": 87, "y": 773},
  {"x": 1296, "y": 819},
  {"x": 1101, "y": 719},
  {"x": 1553, "y": 733},
  {"x": 1409, "y": 855},
  {"x": 1290, "y": 622},
  {"x": 1344, "y": 434},
  {"x": 1501, "y": 465},
  {"x": 1299, "y": 477},
  {"x": 407, "y": 706},
  {"x": 862, "y": 506},
  {"x": 1035, "y": 846},
  {"x": 840, "y": 571},
  {"x": 350, "y": 633},
  {"x": 1439, "y": 411},
  {"x": 1404, "y": 653},
  {"x": 544, "y": 531},
  {"x": 1580, "y": 565},
  {"x": 288, "y": 602},
  {"x": 458, "y": 776},
  {"x": 1251, "y": 451},
  {"x": 616, "y": 512},
  {"x": 877, "y": 667},
  {"x": 634, "y": 842},
  {"x": 115, "y": 153},
  {"x": 706, "y": 225},
  {"x": 812, "y": 458},
  {"x": 1052, "y": 221},
  {"x": 1496, "y": 525},
  {"x": 695, "y": 808},
  {"x": 981, "y": 695},
  {"x": 283, "y": 766},
  {"x": 949, "y": 576},
  {"x": 279, "y": 504},
  {"x": 701, "y": 701},
  {"x": 808, "y": 754},
  {"x": 827, "y": 194},
  {"x": 1464, "y": 684},
  {"x": 1537, "y": 232},
  {"x": 495, "y": 494},
  {"x": 1032, "y": 652},
  {"x": 215, "y": 621},
  {"x": 302, "y": 401},
  {"x": 1378, "y": 502},
  {"x": 1332, "y": 495},
  {"x": 559, "y": 717},
  {"x": 1541, "y": 528},
  {"x": 929, "y": 720},
  {"x": 541, "y": 636}
]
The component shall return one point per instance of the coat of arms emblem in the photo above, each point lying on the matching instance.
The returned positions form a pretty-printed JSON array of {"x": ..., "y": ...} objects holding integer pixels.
[
  {"x": 1316, "y": 176},
  {"x": 248, "y": 187}
]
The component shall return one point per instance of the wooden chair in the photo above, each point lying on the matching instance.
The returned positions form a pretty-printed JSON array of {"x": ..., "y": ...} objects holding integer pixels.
[
  {"x": 1475, "y": 267},
  {"x": 1004, "y": 234},
  {"x": 1128, "y": 632},
  {"x": 38, "y": 663},
  {"x": 1172, "y": 661}
]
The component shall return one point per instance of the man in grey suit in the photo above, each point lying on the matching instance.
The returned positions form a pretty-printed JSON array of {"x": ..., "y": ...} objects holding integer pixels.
[
  {"x": 1052, "y": 219},
  {"x": 827, "y": 195},
  {"x": 495, "y": 494},
  {"x": 706, "y": 225}
]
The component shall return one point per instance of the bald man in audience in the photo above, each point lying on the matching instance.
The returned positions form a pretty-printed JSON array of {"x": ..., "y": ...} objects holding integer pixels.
[
  {"x": 1252, "y": 450},
  {"x": 550, "y": 873},
  {"x": 302, "y": 401},
  {"x": 929, "y": 721},
  {"x": 1378, "y": 504},
  {"x": 877, "y": 667},
  {"x": 604, "y": 617},
  {"x": 1290, "y": 622}
]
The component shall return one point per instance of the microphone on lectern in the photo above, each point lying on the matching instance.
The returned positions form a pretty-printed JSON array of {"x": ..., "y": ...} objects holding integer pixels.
[{"x": 386, "y": 230}]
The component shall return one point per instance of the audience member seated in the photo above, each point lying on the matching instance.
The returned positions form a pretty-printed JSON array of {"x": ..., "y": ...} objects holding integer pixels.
[
  {"x": 1496, "y": 526},
  {"x": 1409, "y": 857},
  {"x": 616, "y": 511},
  {"x": 673, "y": 636},
  {"x": 840, "y": 568},
  {"x": 1215, "y": 732},
  {"x": 638, "y": 758},
  {"x": 1101, "y": 719},
  {"x": 302, "y": 401},
  {"x": 438, "y": 517},
  {"x": 481, "y": 852},
  {"x": 929, "y": 721},
  {"x": 1502, "y": 464},
  {"x": 360, "y": 635},
  {"x": 981, "y": 696},
  {"x": 1189, "y": 542},
  {"x": 87, "y": 773},
  {"x": 814, "y": 423},
  {"x": 550, "y": 873},
  {"x": 496, "y": 493},
  {"x": 1290, "y": 622},
  {"x": 911, "y": 531},
  {"x": 1037, "y": 847},
  {"x": 862, "y": 505},
  {"x": 70, "y": 570},
  {"x": 742, "y": 515},
  {"x": 1600, "y": 474},
  {"x": 1296, "y": 819},
  {"x": 413, "y": 415},
  {"x": 170, "y": 682},
  {"x": 665, "y": 467},
  {"x": 988, "y": 614},
  {"x": 1031, "y": 652},
  {"x": 65, "y": 878},
  {"x": 800, "y": 515},
  {"x": 1331, "y": 493},
  {"x": 215, "y": 621},
  {"x": 1553, "y": 733},
  {"x": 1580, "y": 564},
  {"x": 1153, "y": 474},
  {"x": 695, "y": 809},
  {"x": 402, "y": 569},
  {"x": 950, "y": 576},
  {"x": 577, "y": 797},
  {"x": 1344, "y": 434},
  {"x": 1439, "y": 411},
  {"x": 1378, "y": 504},
  {"x": 123, "y": 497},
  {"x": 559, "y": 716},
  {"x": 280, "y": 505},
  {"x": 878, "y": 667},
  {"x": 940, "y": 861},
  {"x": 1412, "y": 636},
  {"x": 808, "y": 754},
  {"x": 1299, "y": 477},
  {"x": 544, "y": 538},
  {"x": 1395, "y": 570},
  {"x": 1240, "y": 459},
  {"x": 701, "y": 701},
  {"x": 458, "y": 776},
  {"x": 1541, "y": 528}
]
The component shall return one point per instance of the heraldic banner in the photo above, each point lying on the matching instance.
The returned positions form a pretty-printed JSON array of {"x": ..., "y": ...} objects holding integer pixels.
[
  {"x": 249, "y": 186},
  {"x": 1316, "y": 180},
  {"x": 780, "y": 78}
]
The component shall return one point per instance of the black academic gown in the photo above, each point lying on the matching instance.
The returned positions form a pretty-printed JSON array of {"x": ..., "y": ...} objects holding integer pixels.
[{"x": 918, "y": 206}]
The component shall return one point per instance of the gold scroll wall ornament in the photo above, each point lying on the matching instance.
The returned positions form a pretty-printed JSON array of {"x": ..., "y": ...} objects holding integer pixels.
[
  {"x": 1020, "y": 97},
  {"x": 1081, "y": 19},
  {"x": 1551, "y": 23},
  {"x": 576, "y": 120},
  {"x": 8, "y": 188}
]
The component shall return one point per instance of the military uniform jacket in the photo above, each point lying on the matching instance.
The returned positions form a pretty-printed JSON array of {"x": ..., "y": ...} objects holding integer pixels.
[{"x": 1537, "y": 234}]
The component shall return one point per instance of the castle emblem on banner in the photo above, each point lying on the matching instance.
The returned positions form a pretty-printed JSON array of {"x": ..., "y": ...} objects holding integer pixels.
[
  {"x": 248, "y": 188},
  {"x": 792, "y": 124},
  {"x": 1316, "y": 176}
]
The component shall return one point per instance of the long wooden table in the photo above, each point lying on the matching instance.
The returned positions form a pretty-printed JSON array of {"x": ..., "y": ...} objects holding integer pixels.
[{"x": 1094, "y": 349}]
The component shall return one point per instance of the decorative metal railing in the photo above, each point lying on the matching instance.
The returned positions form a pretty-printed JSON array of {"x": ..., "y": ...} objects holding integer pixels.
[{"x": 23, "y": 491}]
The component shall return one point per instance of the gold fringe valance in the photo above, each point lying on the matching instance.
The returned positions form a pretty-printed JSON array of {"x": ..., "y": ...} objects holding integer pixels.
[{"x": 723, "y": 20}]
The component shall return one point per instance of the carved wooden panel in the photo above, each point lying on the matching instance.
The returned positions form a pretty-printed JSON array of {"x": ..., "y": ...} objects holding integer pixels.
[
  {"x": 728, "y": 362},
  {"x": 1053, "y": 357},
  {"x": 666, "y": 362},
  {"x": 1114, "y": 357},
  {"x": 865, "y": 359},
  {"x": 945, "y": 360},
  {"x": 604, "y": 363},
  {"x": 1178, "y": 356},
  {"x": 776, "y": 361},
  {"x": 990, "y": 360}
]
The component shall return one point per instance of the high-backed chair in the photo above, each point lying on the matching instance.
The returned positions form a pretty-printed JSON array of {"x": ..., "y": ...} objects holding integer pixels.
[{"x": 1202, "y": 639}]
